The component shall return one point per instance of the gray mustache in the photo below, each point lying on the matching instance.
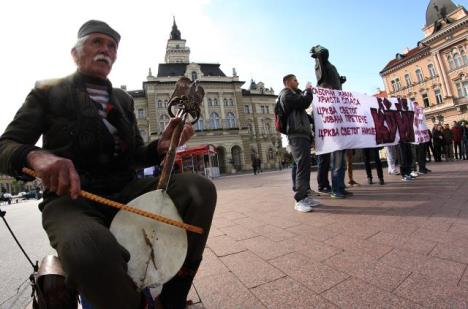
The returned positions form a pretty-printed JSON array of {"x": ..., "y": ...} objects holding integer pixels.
[{"x": 103, "y": 57}]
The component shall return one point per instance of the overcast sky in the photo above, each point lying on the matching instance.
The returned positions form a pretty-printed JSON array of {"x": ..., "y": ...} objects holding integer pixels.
[{"x": 263, "y": 40}]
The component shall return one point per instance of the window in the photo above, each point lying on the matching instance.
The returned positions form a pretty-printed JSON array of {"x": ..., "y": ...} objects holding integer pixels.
[
  {"x": 163, "y": 121},
  {"x": 393, "y": 85},
  {"x": 432, "y": 71},
  {"x": 141, "y": 113},
  {"x": 420, "y": 75},
  {"x": 262, "y": 108},
  {"x": 225, "y": 101},
  {"x": 230, "y": 120},
  {"x": 271, "y": 155},
  {"x": 199, "y": 125},
  {"x": 210, "y": 102},
  {"x": 267, "y": 109},
  {"x": 194, "y": 76},
  {"x": 165, "y": 103},
  {"x": 247, "y": 109},
  {"x": 143, "y": 134},
  {"x": 462, "y": 88},
  {"x": 408, "y": 80},
  {"x": 215, "y": 102},
  {"x": 438, "y": 96},
  {"x": 159, "y": 104},
  {"x": 464, "y": 56},
  {"x": 451, "y": 63},
  {"x": 426, "y": 100},
  {"x": 214, "y": 121},
  {"x": 231, "y": 102},
  {"x": 457, "y": 59},
  {"x": 250, "y": 129},
  {"x": 267, "y": 127},
  {"x": 397, "y": 83}
]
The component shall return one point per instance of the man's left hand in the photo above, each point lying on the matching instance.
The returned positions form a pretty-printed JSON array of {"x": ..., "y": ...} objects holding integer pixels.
[{"x": 165, "y": 140}]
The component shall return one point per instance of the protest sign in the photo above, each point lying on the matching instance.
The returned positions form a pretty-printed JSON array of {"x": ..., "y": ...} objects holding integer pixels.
[{"x": 350, "y": 120}]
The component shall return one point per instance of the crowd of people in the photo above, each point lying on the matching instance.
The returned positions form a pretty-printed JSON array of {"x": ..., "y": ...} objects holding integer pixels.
[{"x": 449, "y": 143}]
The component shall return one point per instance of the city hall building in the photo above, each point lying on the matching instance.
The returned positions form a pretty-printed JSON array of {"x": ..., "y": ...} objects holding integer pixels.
[
  {"x": 435, "y": 72},
  {"x": 238, "y": 122}
]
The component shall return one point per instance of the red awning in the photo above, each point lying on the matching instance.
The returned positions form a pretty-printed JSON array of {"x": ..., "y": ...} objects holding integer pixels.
[{"x": 196, "y": 150}]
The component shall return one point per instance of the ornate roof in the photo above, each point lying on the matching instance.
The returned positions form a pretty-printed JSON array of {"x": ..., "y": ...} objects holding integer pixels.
[
  {"x": 438, "y": 9},
  {"x": 175, "y": 33},
  {"x": 178, "y": 69}
]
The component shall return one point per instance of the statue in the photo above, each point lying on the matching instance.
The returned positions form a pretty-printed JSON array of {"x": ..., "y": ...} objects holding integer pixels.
[{"x": 326, "y": 73}]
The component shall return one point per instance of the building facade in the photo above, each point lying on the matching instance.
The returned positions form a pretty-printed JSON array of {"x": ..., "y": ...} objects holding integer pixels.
[
  {"x": 239, "y": 122},
  {"x": 435, "y": 72}
]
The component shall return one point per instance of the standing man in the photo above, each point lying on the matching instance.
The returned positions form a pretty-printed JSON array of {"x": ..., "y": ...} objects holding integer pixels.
[
  {"x": 91, "y": 141},
  {"x": 294, "y": 103},
  {"x": 465, "y": 141},
  {"x": 448, "y": 142},
  {"x": 328, "y": 77},
  {"x": 457, "y": 139},
  {"x": 438, "y": 139}
]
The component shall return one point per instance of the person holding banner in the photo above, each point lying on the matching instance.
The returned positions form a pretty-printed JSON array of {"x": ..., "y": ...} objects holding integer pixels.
[
  {"x": 295, "y": 102},
  {"x": 374, "y": 152}
]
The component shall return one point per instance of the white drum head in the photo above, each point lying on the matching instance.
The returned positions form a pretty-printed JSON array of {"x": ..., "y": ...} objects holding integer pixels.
[{"x": 157, "y": 250}]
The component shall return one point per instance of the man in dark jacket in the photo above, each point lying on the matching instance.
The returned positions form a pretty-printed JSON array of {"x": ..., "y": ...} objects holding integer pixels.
[
  {"x": 438, "y": 139},
  {"x": 91, "y": 141},
  {"x": 448, "y": 142},
  {"x": 457, "y": 134},
  {"x": 295, "y": 102}
]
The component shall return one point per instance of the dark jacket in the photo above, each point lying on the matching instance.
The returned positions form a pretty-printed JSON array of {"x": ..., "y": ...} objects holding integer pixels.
[
  {"x": 62, "y": 112},
  {"x": 295, "y": 104},
  {"x": 448, "y": 135},
  {"x": 457, "y": 133},
  {"x": 438, "y": 137}
]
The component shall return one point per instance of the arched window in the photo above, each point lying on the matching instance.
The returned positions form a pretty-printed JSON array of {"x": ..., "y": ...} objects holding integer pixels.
[
  {"x": 408, "y": 80},
  {"x": 165, "y": 103},
  {"x": 215, "y": 102},
  {"x": 194, "y": 76},
  {"x": 160, "y": 104},
  {"x": 432, "y": 71},
  {"x": 451, "y": 62},
  {"x": 210, "y": 102},
  {"x": 464, "y": 56},
  {"x": 457, "y": 59},
  {"x": 420, "y": 75},
  {"x": 225, "y": 101},
  {"x": 163, "y": 121},
  {"x": 214, "y": 121},
  {"x": 231, "y": 102},
  {"x": 199, "y": 125},
  {"x": 267, "y": 127},
  {"x": 230, "y": 120}
]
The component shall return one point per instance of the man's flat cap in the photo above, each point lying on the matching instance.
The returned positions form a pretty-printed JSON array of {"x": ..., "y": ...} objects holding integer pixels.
[{"x": 97, "y": 26}]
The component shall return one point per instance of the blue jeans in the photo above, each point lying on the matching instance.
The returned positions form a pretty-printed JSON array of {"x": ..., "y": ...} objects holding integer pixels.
[{"x": 338, "y": 171}]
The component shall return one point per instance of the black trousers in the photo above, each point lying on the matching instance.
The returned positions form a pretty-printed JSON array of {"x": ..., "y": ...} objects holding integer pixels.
[
  {"x": 300, "y": 150},
  {"x": 421, "y": 150},
  {"x": 323, "y": 165},
  {"x": 368, "y": 154},
  {"x": 438, "y": 152},
  {"x": 96, "y": 264},
  {"x": 458, "y": 149},
  {"x": 406, "y": 159}
]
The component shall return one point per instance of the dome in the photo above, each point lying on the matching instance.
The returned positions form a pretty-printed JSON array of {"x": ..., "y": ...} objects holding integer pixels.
[{"x": 438, "y": 9}]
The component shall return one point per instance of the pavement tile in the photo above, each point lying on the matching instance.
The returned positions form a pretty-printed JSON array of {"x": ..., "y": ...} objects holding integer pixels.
[
  {"x": 464, "y": 280},
  {"x": 225, "y": 291},
  {"x": 451, "y": 252},
  {"x": 369, "y": 270},
  {"x": 313, "y": 232},
  {"x": 214, "y": 232},
  {"x": 238, "y": 232},
  {"x": 222, "y": 222},
  {"x": 428, "y": 266},
  {"x": 354, "y": 229},
  {"x": 400, "y": 228},
  {"x": 211, "y": 265},
  {"x": 193, "y": 295},
  {"x": 272, "y": 232},
  {"x": 439, "y": 236},
  {"x": 317, "y": 276},
  {"x": 249, "y": 222},
  {"x": 459, "y": 228},
  {"x": 355, "y": 293},
  {"x": 433, "y": 293},
  {"x": 359, "y": 246},
  {"x": 232, "y": 215},
  {"x": 408, "y": 243},
  {"x": 266, "y": 248},
  {"x": 250, "y": 269},
  {"x": 313, "y": 249},
  {"x": 287, "y": 293},
  {"x": 224, "y": 245}
]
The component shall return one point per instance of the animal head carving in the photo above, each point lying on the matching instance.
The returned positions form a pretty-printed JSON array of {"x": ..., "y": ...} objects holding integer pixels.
[{"x": 187, "y": 98}]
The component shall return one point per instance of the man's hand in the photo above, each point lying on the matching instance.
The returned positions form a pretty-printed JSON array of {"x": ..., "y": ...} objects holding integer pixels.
[
  {"x": 165, "y": 140},
  {"x": 57, "y": 174}
]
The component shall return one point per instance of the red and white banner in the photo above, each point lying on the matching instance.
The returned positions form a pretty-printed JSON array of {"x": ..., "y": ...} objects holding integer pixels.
[{"x": 351, "y": 120}]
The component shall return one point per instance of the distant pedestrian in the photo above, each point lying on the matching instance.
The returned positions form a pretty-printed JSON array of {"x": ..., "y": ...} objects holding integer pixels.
[
  {"x": 457, "y": 139},
  {"x": 438, "y": 139},
  {"x": 448, "y": 142}
]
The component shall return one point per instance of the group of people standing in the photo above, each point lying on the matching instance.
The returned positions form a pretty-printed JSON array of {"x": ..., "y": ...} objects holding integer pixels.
[{"x": 451, "y": 143}]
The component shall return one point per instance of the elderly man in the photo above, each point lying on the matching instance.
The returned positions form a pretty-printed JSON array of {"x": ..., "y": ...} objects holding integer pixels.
[{"x": 91, "y": 141}]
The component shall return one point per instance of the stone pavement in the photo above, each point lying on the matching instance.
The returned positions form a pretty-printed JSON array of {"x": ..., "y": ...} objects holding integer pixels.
[{"x": 401, "y": 245}]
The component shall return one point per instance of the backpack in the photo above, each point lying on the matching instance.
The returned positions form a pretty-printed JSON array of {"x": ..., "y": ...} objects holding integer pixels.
[{"x": 280, "y": 117}]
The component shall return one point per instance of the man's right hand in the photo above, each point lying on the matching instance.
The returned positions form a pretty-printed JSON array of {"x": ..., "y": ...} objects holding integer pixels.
[{"x": 57, "y": 174}]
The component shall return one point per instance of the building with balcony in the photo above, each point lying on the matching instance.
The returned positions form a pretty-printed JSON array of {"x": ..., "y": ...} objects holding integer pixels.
[
  {"x": 435, "y": 72},
  {"x": 239, "y": 122}
]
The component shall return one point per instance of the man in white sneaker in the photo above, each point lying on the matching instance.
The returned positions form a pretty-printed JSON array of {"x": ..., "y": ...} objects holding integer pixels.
[{"x": 294, "y": 103}]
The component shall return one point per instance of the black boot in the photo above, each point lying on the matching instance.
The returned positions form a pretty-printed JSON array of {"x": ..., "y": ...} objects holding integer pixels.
[
  {"x": 369, "y": 181},
  {"x": 381, "y": 181}
]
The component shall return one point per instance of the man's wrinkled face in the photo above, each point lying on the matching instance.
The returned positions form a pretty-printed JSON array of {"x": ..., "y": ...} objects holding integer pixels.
[{"x": 96, "y": 56}]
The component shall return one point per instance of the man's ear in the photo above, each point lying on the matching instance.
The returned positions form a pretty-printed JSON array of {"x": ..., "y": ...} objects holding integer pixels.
[{"x": 74, "y": 54}]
